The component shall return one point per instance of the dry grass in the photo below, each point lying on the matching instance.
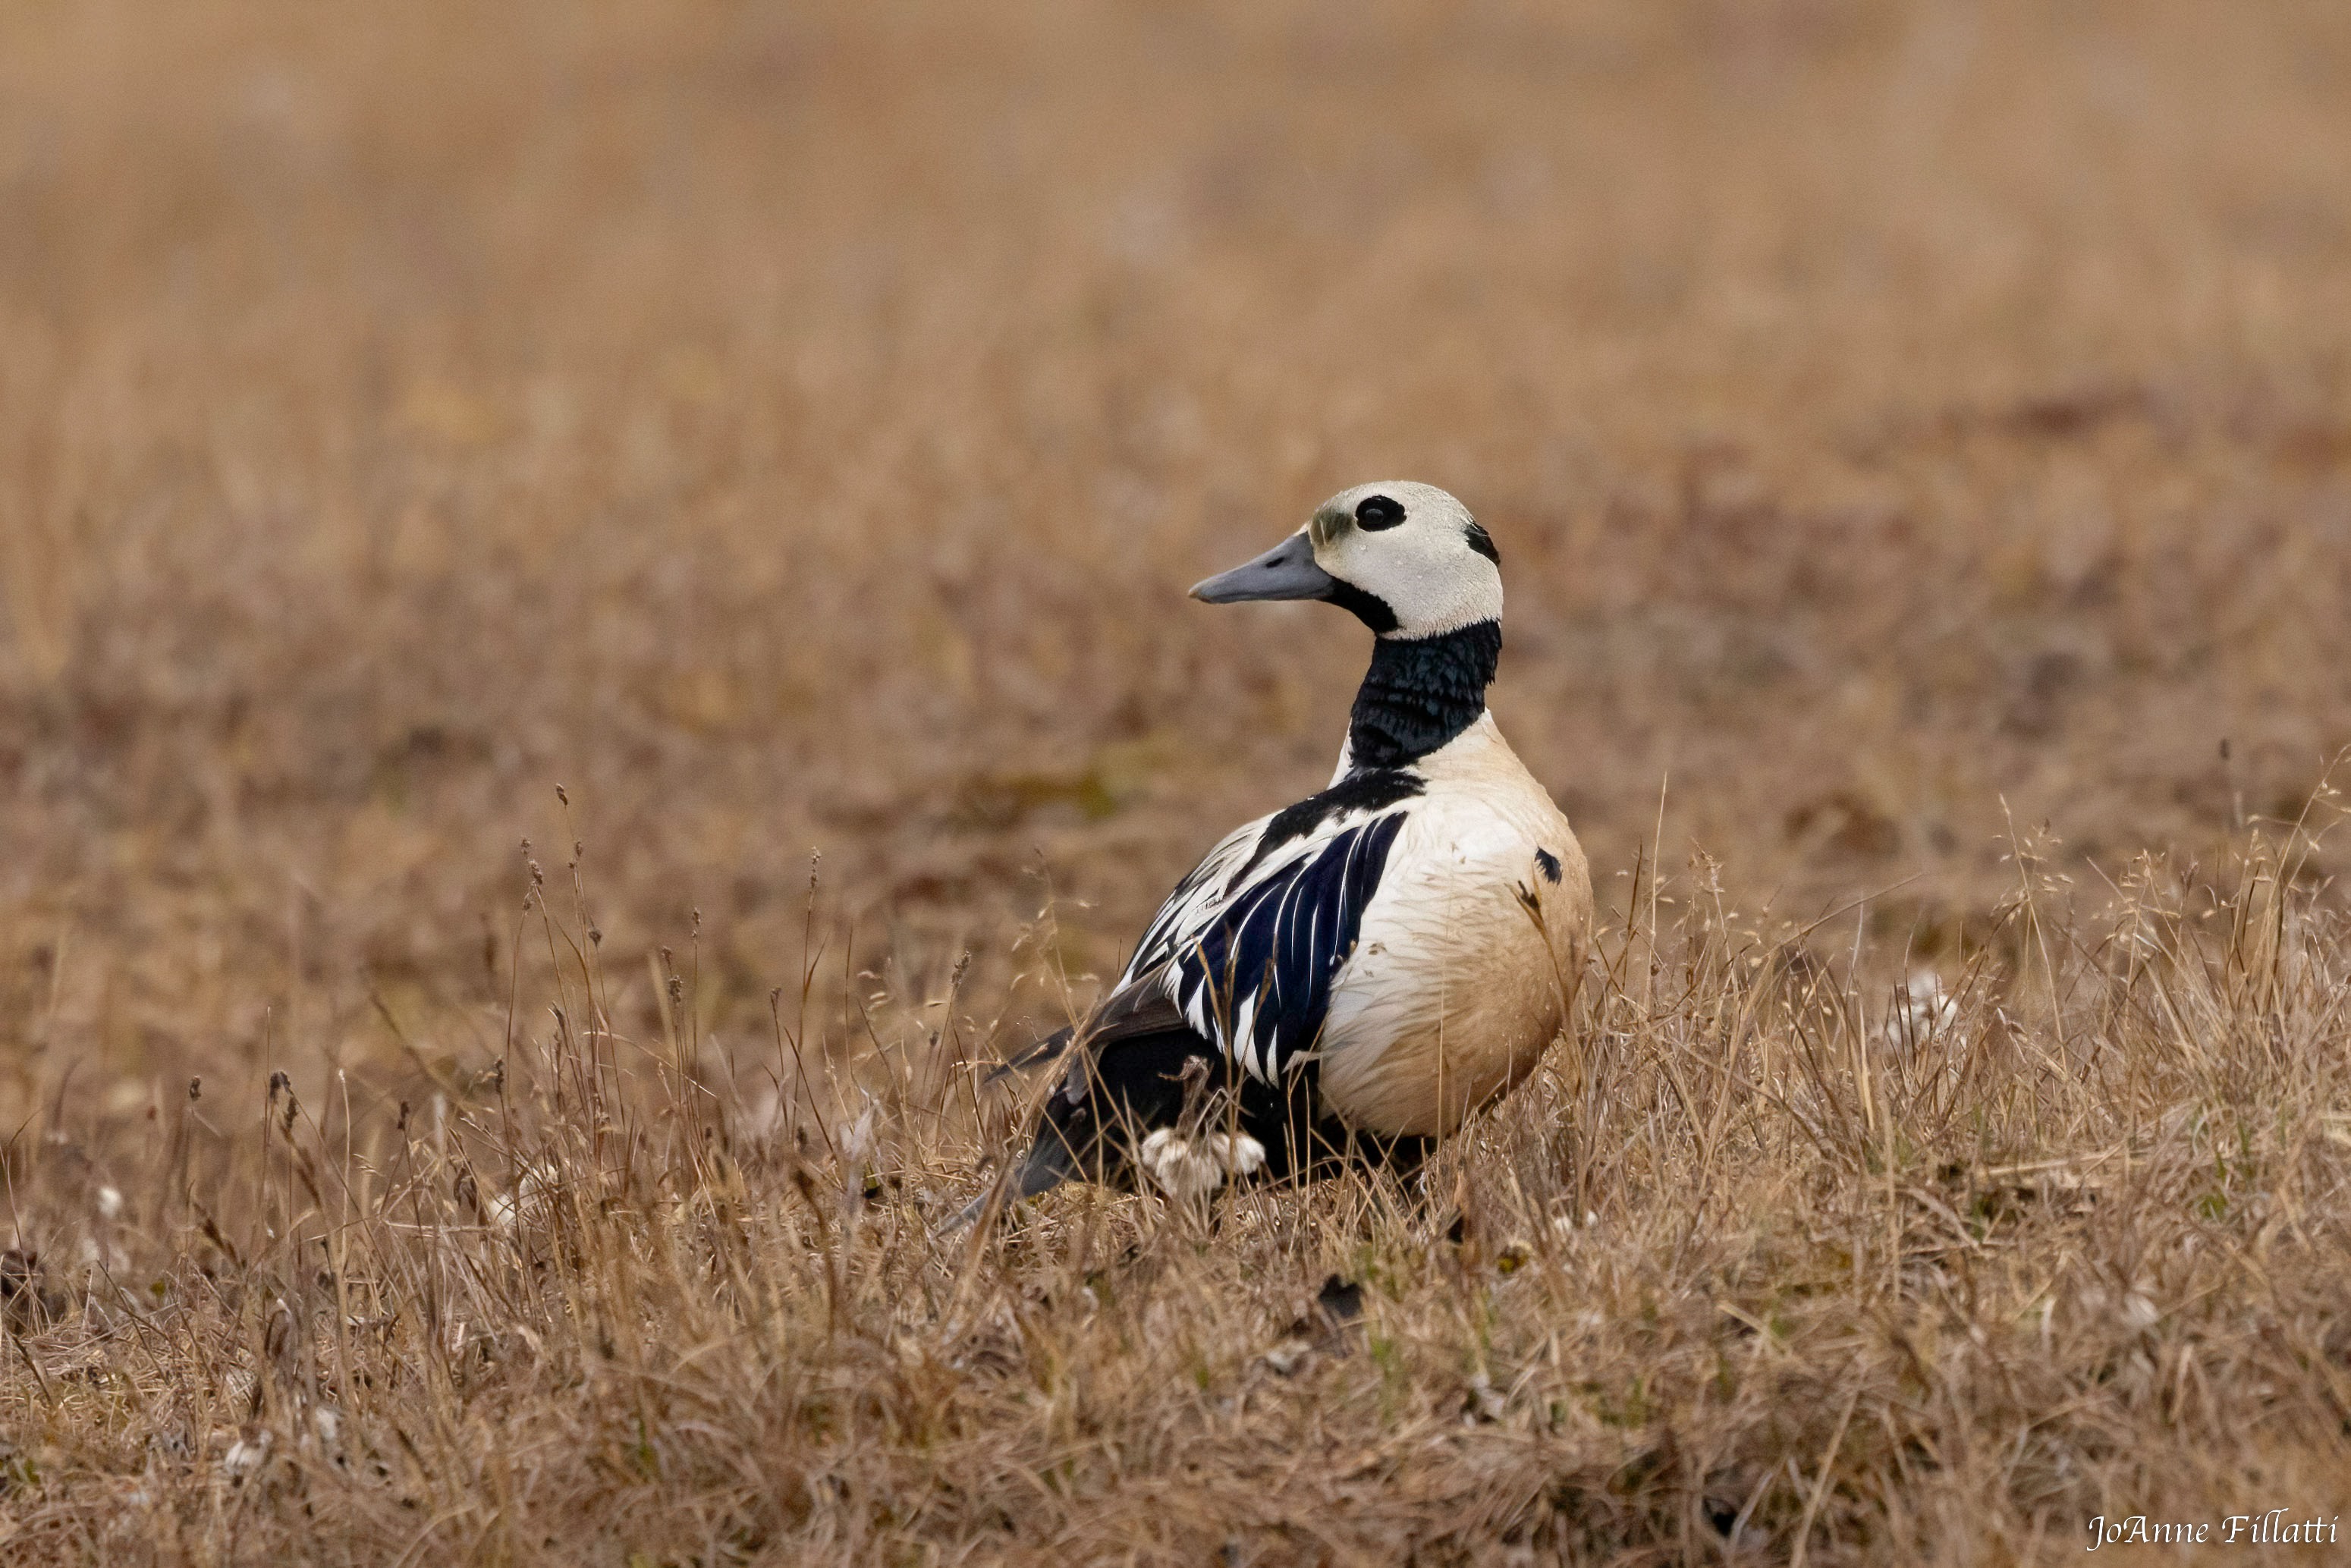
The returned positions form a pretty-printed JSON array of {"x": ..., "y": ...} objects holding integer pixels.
[
  {"x": 795, "y": 429},
  {"x": 1765, "y": 1272}
]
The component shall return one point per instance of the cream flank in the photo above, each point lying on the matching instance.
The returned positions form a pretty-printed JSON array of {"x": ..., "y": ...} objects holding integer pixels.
[{"x": 1469, "y": 953}]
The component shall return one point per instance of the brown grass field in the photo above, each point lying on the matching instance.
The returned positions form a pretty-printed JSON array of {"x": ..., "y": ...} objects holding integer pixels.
[{"x": 1919, "y": 441}]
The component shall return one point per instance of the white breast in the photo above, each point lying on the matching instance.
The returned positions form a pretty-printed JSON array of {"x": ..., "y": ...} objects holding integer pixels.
[{"x": 1469, "y": 953}]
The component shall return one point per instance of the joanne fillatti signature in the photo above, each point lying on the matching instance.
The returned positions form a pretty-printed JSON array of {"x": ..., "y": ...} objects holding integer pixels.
[{"x": 2275, "y": 1528}]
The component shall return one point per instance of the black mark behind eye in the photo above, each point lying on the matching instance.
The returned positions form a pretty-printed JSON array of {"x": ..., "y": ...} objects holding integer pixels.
[
  {"x": 1549, "y": 863},
  {"x": 1483, "y": 543},
  {"x": 1377, "y": 512}
]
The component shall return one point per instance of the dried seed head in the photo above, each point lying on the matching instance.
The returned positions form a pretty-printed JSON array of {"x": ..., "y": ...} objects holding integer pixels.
[
  {"x": 1187, "y": 1169},
  {"x": 196, "y": 1090},
  {"x": 280, "y": 1084},
  {"x": 559, "y": 795},
  {"x": 277, "y": 1334},
  {"x": 245, "y": 1455}
]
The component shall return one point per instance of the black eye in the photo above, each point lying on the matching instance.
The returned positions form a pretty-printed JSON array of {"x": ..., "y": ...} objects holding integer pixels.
[{"x": 1378, "y": 512}]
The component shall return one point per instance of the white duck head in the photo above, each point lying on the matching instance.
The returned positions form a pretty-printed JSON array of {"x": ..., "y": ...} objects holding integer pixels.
[{"x": 1406, "y": 557}]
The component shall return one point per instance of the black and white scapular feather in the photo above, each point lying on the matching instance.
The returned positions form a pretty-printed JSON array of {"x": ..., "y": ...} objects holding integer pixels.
[{"x": 1353, "y": 976}]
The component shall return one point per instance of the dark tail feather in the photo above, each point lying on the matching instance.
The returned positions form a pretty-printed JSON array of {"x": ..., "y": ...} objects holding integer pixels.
[
  {"x": 1048, "y": 1164},
  {"x": 1044, "y": 1051}
]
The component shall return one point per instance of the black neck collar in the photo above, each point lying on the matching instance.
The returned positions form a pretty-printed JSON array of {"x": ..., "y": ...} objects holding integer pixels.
[{"x": 1420, "y": 693}]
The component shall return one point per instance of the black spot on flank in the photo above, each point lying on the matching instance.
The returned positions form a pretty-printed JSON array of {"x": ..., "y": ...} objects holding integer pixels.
[
  {"x": 1377, "y": 512},
  {"x": 1368, "y": 608},
  {"x": 1483, "y": 543},
  {"x": 1369, "y": 789},
  {"x": 1549, "y": 863}
]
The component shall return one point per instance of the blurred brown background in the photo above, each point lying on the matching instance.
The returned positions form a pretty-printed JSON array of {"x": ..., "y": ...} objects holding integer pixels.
[{"x": 795, "y": 427}]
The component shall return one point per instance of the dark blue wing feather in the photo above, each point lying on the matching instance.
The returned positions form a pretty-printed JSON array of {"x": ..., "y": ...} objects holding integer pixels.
[{"x": 1256, "y": 979}]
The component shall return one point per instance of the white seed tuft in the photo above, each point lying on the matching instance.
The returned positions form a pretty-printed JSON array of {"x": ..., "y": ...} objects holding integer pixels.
[
  {"x": 1238, "y": 1154},
  {"x": 245, "y": 1455},
  {"x": 1181, "y": 1170},
  {"x": 1187, "y": 1169},
  {"x": 1922, "y": 1010}
]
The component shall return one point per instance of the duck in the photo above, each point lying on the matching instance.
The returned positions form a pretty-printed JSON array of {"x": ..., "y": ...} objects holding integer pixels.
[{"x": 1344, "y": 981}]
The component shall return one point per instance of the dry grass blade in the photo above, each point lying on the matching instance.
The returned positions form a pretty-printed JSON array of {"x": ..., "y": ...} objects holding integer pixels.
[{"x": 726, "y": 1334}]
